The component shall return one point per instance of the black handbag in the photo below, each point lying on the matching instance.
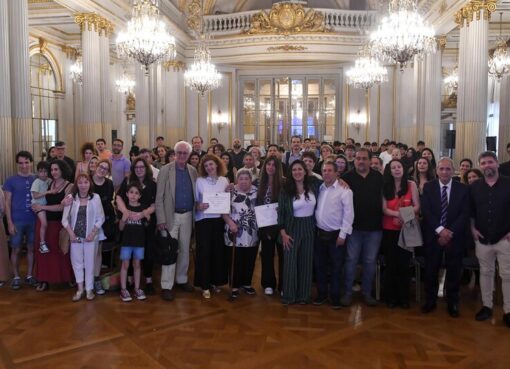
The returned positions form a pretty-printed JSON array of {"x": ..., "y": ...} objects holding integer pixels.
[{"x": 166, "y": 248}]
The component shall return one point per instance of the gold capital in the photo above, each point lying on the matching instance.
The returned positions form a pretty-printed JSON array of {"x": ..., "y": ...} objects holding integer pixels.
[
  {"x": 93, "y": 21},
  {"x": 70, "y": 52},
  {"x": 441, "y": 41},
  {"x": 475, "y": 8},
  {"x": 177, "y": 65}
]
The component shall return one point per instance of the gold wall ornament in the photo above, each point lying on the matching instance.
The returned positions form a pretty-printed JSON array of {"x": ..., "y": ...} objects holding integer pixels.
[
  {"x": 443, "y": 7},
  {"x": 194, "y": 18},
  {"x": 475, "y": 7},
  {"x": 286, "y": 19},
  {"x": 131, "y": 102},
  {"x": 441, "y": 42},
  {"x": 43, "y": 45},
  {"x": 287, "y": 48},
  {"x": 94, "y": 22},
  {"x": 177, "y": 65},
  {"x": 70, "y": 52}
]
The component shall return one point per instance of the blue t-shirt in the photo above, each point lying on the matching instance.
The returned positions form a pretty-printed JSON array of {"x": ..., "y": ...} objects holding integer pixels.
[{"x": 21, "y": 200}]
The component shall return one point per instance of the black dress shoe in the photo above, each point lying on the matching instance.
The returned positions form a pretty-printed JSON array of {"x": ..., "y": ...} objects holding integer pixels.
[
  {"x": 453, "y": 310},
  {"x": 320, "y": 300},
  {"x": 167, "y": 295},
  {"x": 484, "y": 314},
  {"x": 506, "y": 319},
  {"x": 391, "y": 304},
  {"x": 428, "y": 307}
]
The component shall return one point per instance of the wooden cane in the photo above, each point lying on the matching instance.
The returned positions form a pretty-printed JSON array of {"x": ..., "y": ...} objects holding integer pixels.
[{"x": 231, "y": 298}]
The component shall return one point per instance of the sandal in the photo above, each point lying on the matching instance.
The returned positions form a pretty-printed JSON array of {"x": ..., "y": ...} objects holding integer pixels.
[{"x": 43, "y": 286}]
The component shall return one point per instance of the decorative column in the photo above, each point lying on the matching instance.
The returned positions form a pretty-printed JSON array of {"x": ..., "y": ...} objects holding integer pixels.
[
  {"x": 432, "y": 103},
  {"x": 174, "y": 102},
  {"x": 142, "y": 107},
  {"x": 21, "y": 104},
  {"x": 504, "y": 118},
  {"x": 6, "y": 134},
  {"x": 90, "y": 127},
  {"x": 471, "y": 126},
  {"x": 106, "y": 94}
]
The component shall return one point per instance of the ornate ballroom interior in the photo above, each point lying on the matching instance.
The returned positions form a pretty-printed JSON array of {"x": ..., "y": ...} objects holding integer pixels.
[{"x": 283, "y": 69}]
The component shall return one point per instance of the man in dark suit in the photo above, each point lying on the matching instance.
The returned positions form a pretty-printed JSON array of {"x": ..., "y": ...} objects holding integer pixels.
[
  {"x": 445, "y": 209},
  {"x": 504, "y": 168}
]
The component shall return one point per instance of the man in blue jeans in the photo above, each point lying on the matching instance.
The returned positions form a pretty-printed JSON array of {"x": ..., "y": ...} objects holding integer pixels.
[
  {"x": 20, "y": 217},
  {"x": 334, "y": 216},
  {"x": 365, "y": 240}
]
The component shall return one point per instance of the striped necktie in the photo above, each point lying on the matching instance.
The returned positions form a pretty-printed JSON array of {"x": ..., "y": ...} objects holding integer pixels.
[{"x": 444, "y": 206}]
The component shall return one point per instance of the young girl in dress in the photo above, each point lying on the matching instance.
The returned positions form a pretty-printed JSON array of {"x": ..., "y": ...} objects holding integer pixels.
[
  {"x": 133, "y": 241},
  {"x": 39, "y": 191}
]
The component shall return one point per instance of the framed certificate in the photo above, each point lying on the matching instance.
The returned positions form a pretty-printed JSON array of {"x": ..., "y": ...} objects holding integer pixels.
[
  {"x": 219, "y": 203},
  {"x": 266, "y": 215}
]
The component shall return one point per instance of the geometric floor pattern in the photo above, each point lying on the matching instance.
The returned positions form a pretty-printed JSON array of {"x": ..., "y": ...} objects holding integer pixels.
[{"x": 47, "y": 330}]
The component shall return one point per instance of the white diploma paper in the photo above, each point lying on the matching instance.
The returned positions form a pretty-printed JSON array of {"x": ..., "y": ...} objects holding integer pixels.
[
  {"x": 266, "y": 215},
  {"x": 219, "y": 203}
]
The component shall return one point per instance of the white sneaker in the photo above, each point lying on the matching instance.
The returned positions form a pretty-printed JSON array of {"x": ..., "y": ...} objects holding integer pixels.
[
  {"x": 43, "y": 248},
  {"x": 268, "y": 291}
]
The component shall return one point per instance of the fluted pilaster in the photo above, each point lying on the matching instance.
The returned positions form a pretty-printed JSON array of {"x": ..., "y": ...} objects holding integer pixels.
[
  {"x": 472, "y": 91},
  {"x": 106, "y": 97},
  {"x": 142, "y": 108},
  {"x": 6, "y": 134},
  {"x": 432, "y": 101},
  {"x": 504, "y": 118},
  {"x": 90, "y": 127},
  {"x": 20, "y": 75}
]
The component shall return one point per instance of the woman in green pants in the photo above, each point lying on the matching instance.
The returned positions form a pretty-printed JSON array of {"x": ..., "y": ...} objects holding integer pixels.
[{"x": 296, "y": 207}]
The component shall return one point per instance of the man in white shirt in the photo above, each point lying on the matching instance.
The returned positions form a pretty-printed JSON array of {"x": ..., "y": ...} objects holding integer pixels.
[
  {"x": 334, "y": 216},
  {"x": 386, "y": 156}
]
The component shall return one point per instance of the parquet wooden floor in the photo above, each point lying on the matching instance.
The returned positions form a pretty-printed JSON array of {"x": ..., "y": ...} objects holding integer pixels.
[{"x": 47, "y": 330}]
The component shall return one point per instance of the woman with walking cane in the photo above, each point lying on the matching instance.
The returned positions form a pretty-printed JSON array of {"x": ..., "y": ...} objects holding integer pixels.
[{"x": 242, "y": 226}]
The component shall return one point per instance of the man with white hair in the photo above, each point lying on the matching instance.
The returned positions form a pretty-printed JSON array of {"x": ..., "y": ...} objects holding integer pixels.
[{"x": 175, "y": 202}]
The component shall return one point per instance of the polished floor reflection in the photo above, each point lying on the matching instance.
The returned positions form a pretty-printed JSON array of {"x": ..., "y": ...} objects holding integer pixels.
[{"x": 47, "y": 330}]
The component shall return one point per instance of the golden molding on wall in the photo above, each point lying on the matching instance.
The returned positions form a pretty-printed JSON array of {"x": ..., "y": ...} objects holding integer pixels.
[
  {"x": 70, "y": 52},
  {"x": 286, "y": 19},
  {"x": 474, "y": 7},
  {"x": 177, "y": 65},
  {"x": 194, "y": 17},
  {"x": 287, "y": 48},
  {"x": 94, "y": 21}
]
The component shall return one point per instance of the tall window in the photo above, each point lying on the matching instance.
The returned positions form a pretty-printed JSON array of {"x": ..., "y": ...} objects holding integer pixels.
[
  {"x": 276, "y": 108},
  {"x": 44, "y": 105}
]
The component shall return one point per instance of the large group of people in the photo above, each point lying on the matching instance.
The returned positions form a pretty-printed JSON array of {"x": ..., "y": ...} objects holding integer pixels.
[{"x": 324, "y": 209}]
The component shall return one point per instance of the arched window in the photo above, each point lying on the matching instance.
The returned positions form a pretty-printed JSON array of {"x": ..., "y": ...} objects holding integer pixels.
[{"x": 43, "y": 87}]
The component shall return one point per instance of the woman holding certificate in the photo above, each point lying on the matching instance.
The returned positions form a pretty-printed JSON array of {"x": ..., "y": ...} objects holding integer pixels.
[
  {"x": 210, "y": 263},
  {"x": 296, "y": 207},
  {"x": 398, "y": 192},
  {"x": 271, "y": 182},
  {"x": 241, "y": 224}
]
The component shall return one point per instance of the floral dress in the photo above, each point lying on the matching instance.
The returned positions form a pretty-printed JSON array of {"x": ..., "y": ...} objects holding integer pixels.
[{"x": 242, "y": 211}]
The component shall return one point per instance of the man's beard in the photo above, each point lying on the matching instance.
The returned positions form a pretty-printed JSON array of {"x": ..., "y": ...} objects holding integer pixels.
[
  {"x": 489, "y": 172},
  {"x": 116, "y": 151},
  {"x": 237, "y": 147}
]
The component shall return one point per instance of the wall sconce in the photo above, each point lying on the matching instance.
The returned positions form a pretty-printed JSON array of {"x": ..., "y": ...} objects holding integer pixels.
[
  {"x": 356, "y": 120},
  {"x": 220, "y": 120}
]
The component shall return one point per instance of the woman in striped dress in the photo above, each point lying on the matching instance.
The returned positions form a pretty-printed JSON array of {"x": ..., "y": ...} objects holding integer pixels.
[{"x": 296, "y": 207}]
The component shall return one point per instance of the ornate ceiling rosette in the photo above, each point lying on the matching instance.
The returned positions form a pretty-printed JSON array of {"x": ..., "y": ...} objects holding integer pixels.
[{"x": 287, "y": 19}]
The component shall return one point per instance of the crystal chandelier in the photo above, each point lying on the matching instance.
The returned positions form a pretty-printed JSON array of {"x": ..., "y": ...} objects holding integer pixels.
[
  {"x": 451, "y": 81},
  {"x": 125, "y": 84},
  {"x": 76, "y": 71},
  {"x": 366, "y": 72},
  {"x": 499, "y": 62},
  {"x": 202, "y": 75},
  {"x": 402, "y": 34},
  {"x": 145, "y": 39}
]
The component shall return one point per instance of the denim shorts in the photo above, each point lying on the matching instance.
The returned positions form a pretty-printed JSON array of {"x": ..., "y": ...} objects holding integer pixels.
[
  {"x": 127, "y": 251},
  {"x": 23, "y": 228}
]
